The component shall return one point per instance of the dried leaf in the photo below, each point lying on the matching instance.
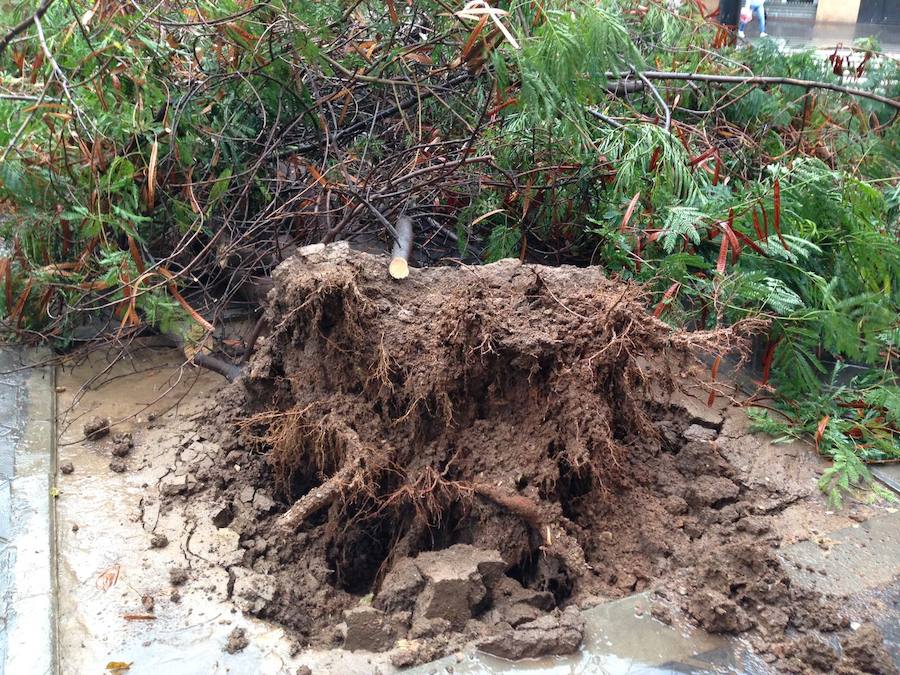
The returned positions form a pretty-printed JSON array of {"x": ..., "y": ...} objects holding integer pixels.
[
  {"x": 184, "y": 303},
  {"x": 392, "y": 11},
  {"x": 768, "y": 357},
  {"x": 723, "y": 255},
  {"x": 777, "y": 222},
  {"x": 629, "y": 212},
  {"x": 108, "y": 578},
  {"x": 6, "y": 273},
  {"x": 666, "y": 299},
  {"x": 820, "y": 430},
  {"x": 151, "y": 174}
]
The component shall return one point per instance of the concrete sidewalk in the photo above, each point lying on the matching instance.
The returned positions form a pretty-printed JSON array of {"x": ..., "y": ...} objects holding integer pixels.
[
  {"x": 27, "y": 577},
  {"x": 799, "y": 33}
]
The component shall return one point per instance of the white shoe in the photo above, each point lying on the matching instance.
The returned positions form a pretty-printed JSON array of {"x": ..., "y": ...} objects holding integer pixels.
[
  {"x": 740, "y": 33},
  {"x": 764, "y": 34}
]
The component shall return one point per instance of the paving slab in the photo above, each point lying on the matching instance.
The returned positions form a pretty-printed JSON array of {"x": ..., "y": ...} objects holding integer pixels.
[
  {"x": 849, "y": 561},
  {"x": 27, "y": 568}
]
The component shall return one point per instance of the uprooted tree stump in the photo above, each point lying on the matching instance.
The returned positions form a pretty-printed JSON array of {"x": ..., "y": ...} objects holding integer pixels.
[{"x": 433, "y": 410}]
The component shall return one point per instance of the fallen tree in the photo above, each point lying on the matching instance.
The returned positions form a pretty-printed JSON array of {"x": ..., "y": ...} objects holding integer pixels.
[{"x": 157, "y": 188}]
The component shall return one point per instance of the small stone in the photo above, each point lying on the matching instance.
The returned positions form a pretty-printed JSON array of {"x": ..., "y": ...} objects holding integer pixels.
[
  {"x": 237, "y": 641},
  {"x": 66, "y": 468},
  {"x": 177, "y": 576},
  {"x": 96, "y": 428},
  {"x": 75, "y": 527},
  {"x": 159, "y": 540},
  {"x": 304, "y": 670},
  {"x": 118, "y": 465},
  {"x": 148, "y": 602},
  {"x": 175, "y": 597}
]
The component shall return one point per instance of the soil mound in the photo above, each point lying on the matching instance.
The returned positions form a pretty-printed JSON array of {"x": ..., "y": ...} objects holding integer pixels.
[{"x": 469, "y": 453}]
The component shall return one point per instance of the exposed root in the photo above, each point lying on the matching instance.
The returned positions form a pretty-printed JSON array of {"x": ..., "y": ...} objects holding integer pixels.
[
  {"x": 459, "y": 406},
  {"x": 524, "y": 508},
  {"x": 349, "y": 477}
]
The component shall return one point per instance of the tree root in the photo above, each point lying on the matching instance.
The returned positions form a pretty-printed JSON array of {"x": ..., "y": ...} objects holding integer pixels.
[
  {"x": 556, "y": 541},
  {"x": 321, "y": 497},
  {"x": 227, "y": 370}
]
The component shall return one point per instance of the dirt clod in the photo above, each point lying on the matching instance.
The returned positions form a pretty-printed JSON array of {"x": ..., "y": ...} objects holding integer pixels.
[
  {"x": 66, "y": 468},
  {"x": 96, "y": 428},
  {"x": 864, "y": 651},
  {"x": 367, "y": 629},
  {"x": 122, "y": 444},
  {"x": 223, "y": 516},
  {"x": 456, "y": 582},
  {"x": 178, "y": 576},
  {"x": 148, "y": 603},
  {"x": 159, "y": 540},
  {"x": 405, "y": 655},
  {"x": 304, "y": 670},
  {"x": 118, "y": 465},
  {"x": 237, "y": 641},
  {"x": 548, "y": 634}
]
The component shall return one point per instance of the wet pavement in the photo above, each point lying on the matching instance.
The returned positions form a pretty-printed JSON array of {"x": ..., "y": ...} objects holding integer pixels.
[
  {"x": 620, "y": 637},
  {"x": 27, "y": 594},
  {"x": 805, "y": 33},
  {"x": 106, "y": 565}
]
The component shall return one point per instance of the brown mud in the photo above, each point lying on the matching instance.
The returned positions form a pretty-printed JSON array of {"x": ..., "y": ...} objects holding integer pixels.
[{"x": 471, "y": 454}]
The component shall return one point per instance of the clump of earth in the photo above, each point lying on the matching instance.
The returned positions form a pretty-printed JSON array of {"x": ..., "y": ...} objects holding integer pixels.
[{"x": 471, "y": 455}]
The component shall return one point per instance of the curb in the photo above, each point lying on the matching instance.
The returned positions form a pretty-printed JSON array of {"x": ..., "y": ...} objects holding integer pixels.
[{"x": 27, "y": 534}]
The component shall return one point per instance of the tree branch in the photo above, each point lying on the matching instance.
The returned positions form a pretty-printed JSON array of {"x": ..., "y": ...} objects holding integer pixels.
[
  {"x": 764, "y": 81},
  {"x": 24, "y": 25}
]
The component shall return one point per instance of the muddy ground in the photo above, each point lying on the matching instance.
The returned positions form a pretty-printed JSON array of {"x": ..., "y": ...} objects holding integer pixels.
[{"x": 468, "y": 457}]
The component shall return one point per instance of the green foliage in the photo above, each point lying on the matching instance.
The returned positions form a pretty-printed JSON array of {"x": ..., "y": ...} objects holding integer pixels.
[
  {"x": 681, "y": 224},
  {"x": 564, "y": 62}
]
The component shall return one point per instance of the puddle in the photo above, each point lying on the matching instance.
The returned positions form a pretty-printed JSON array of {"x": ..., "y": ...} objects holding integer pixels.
[{"x": 619, "y": 639}]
